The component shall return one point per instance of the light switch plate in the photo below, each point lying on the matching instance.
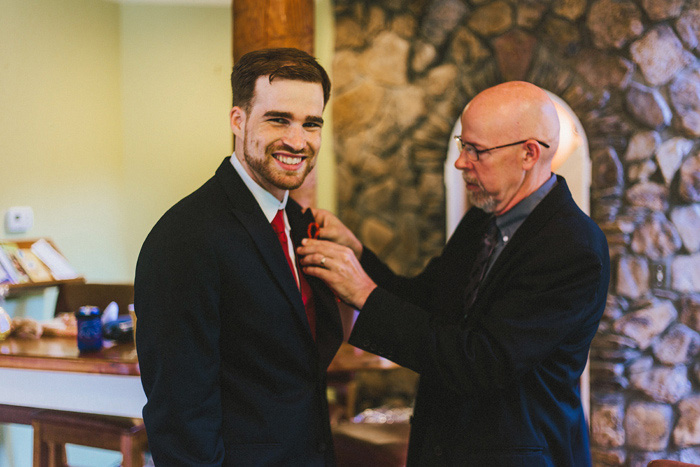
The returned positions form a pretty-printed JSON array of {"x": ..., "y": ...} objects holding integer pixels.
[{"x": 19, "y": 219}]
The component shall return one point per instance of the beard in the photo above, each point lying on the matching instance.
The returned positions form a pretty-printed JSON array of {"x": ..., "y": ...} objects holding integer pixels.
[
  {"x": 481, "y": 198},
  {"x": 269, "y": 171}
]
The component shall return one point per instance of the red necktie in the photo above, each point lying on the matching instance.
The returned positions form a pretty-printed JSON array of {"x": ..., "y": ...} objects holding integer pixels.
[{"x": 305, "y": 288}]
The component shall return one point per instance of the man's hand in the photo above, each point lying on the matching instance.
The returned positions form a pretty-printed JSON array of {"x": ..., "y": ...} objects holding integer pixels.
[
  {"x": 334, "y": 230},
  {"x": 338, "y": 266}
]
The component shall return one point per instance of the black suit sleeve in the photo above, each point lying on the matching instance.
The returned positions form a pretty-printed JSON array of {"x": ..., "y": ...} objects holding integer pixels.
[
  {"x": 543, "y": 307},
  {"x": 417, "y": 290},
  {"x": 177, "y": 305}
]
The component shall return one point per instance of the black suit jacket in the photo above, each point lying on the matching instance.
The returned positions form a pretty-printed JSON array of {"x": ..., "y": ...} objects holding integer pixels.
[
  {"x": 499, "y": 382},
  {"x": 228, "y": 363}
]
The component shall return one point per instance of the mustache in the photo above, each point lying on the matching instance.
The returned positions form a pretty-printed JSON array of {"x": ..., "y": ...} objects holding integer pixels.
[
  {"x": 306, "y": 151},
  {"x": 473, "y": 181}
]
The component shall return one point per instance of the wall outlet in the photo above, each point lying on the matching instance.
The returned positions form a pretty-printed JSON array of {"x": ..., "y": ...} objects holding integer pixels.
[
  {"x": 19, "y": 219},
  {"x": 658, "y": 275}
]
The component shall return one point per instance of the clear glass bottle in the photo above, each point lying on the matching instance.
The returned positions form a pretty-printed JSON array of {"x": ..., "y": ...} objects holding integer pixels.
[{"x": 5, "y": 320}]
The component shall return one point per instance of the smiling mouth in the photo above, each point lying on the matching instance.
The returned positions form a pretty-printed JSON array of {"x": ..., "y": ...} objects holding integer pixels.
[{"x": 286, "y": 159}]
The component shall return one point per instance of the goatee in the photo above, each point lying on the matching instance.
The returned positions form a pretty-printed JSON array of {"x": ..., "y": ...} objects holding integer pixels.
[{"x": 481, "y": 199}]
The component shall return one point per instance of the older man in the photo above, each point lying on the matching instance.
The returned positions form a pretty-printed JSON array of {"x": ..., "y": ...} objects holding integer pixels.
[{"x": 499, "y": 325}]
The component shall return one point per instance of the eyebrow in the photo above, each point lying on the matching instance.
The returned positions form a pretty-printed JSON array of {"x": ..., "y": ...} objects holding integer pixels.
[
  {"x": 289, "y": 116},
  {"x": 471, "y": 143},
  {"x": 313, "y": 119}
]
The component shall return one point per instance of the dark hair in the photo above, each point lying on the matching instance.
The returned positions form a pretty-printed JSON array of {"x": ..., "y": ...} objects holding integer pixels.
[{"x": 285, "y": 63}]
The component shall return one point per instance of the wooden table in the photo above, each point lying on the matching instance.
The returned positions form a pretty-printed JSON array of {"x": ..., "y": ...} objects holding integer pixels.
[
  {"x": 350, "y": 359},
  {"x": 51, "y": 373},
  {"x": 341, "y": 375}
]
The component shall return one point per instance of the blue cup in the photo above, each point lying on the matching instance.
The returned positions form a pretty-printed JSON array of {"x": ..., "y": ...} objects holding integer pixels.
[{"x": 89, "y": 321}]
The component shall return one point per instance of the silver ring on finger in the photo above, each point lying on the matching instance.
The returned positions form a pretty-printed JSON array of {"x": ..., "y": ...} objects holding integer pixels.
[{"x": 323, "y": 262}]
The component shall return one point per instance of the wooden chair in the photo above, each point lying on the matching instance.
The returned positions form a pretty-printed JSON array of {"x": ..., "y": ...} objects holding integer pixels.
[
  {"x": 53, "y": 429},
  {"x": 363, "y": 444},
  {"x": 72, "y": 296},
  {"x": 16, "y": 414}
]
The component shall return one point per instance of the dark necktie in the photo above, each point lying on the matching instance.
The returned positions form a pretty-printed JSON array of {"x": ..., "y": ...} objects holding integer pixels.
[
  {"x": 304, "y": 287},
  {"x": 481, "y": 261}
]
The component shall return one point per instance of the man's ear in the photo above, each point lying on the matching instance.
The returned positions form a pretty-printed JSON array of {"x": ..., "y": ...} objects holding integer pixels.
[
  {"x": 238, "y": 120},
  {"x": 532, "y": 154}
]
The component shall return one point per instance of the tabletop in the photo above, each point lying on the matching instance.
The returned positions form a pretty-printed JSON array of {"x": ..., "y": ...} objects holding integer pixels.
[
  {"x": 61, "y": 354},
  {"x": 51, "y": 373}
]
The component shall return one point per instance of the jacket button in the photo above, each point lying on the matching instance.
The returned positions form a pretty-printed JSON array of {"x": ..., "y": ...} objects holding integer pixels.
[
  {"x": 438, "y": 450},
  {"x": 322, "y": 447}
]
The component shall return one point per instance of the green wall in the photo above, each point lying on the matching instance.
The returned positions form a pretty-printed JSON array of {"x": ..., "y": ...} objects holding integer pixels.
[
  {"x": 60, "y": 127},
  {"x": 110, "y": 113}
]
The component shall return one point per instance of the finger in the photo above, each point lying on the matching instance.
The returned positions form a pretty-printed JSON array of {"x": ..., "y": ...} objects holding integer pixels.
[
  {"x": 308, "y": 247},
  {"x": 325, "y": 247},
  {"x": 319, "y": 272},
  {"x": 327, "y": 222},
  {"x": 317, "y": 213},
  {"x": 321, "y": 215},
  {"x": 327, "y": 230},
  {"x": 315, "y": 259}
]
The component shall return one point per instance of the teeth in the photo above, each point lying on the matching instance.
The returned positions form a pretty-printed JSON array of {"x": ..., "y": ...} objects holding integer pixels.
[{"x": 290, "y": 160}]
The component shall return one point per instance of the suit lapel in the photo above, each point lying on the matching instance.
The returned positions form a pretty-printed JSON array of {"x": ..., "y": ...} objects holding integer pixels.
[
  {"x": 535, "y": 222},
  {"x": 248, "y": 212},
  {"x": 329, "y": 329},
  {"x": 328, "y": 324},
  {"x": 527, "y": 232}
]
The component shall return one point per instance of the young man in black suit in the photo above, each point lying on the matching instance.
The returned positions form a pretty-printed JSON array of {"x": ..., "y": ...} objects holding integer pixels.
[
  {"x": 500, "y": 324},
  {"x": 233, "y": 339}
]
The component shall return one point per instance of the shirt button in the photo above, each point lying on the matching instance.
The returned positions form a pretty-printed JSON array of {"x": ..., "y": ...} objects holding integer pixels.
[
  {"x": 438, "y": 450},
  {"x": 505, "y": 238}
]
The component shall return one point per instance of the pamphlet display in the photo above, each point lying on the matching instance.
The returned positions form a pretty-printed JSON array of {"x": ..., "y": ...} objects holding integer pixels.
[{"x": 30, "y": 263}]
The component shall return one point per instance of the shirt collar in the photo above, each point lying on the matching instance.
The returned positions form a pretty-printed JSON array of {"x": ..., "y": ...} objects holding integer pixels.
[
  {"x": 509, "y": 222},
  {"x": 266, "y": 200}
]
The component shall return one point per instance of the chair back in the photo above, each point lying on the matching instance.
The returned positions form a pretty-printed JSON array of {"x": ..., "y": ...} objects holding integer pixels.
[{"x": 72, "y": 296}]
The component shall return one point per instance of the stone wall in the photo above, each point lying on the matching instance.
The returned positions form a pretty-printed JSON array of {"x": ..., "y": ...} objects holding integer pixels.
[{"x": 402, "y": 73}]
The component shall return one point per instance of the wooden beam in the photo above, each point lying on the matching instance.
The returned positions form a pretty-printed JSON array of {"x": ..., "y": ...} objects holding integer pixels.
[{"x": 259, "y": 24}]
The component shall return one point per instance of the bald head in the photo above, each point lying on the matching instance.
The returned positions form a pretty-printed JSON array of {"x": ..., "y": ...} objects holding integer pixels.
[
  {"x": 514, "y": 111},
  {"x": 510, "y": 133}
]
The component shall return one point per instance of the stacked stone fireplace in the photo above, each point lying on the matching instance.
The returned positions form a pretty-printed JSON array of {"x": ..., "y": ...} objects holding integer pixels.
[{"x": 630, "y": 70}]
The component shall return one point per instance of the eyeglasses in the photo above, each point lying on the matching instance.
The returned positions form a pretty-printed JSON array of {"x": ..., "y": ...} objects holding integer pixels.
[{"x": 474, "y": 153}]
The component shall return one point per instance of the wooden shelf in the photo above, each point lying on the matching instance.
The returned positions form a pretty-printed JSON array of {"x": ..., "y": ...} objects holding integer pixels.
[
  {"x": 28, "y": 287},
  {"x": 18, "y": 289}
]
